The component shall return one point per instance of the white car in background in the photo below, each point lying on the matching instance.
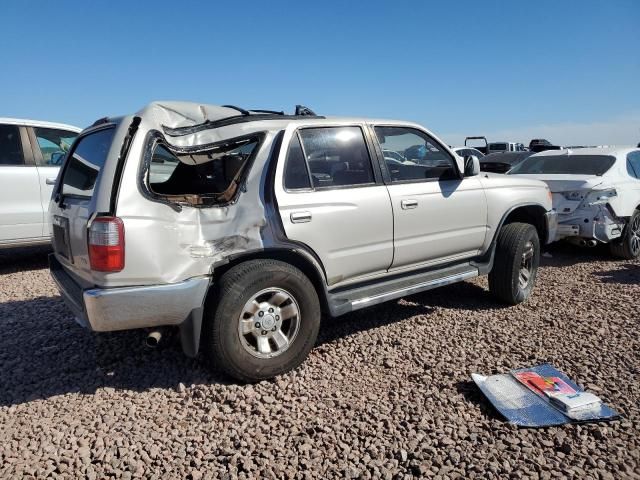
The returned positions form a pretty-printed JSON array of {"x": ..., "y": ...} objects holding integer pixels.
[
  {"x": 596, "y": 193},
  {"x": 31, "y": 153}
]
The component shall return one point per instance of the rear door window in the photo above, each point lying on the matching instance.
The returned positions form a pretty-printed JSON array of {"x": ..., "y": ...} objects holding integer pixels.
[
  {"x": 10, "y": 146},
  {"x": 296, "y": 175},
  {"x": 337, "y": 156},
  {"x": 85, "y": 163}
]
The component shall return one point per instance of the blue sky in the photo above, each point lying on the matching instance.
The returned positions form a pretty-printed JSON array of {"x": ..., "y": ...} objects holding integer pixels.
[{"x": 565, "y": 69}]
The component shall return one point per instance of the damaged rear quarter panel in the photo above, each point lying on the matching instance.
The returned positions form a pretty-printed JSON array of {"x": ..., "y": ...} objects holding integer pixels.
[{"x": 165, "y": 244}]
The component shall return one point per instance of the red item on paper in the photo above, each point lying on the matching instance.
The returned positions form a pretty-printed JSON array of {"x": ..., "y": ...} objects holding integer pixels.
[{"x": 549, "y": 386}]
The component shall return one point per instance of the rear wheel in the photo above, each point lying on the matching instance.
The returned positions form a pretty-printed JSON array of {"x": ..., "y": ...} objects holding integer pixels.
[
  {"x": 516, "y": 263},
  {"x": 628, "y": 246},
  {"x": 265, "y": 322}
]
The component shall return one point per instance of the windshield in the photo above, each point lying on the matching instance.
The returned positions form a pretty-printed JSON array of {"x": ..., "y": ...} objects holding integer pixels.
[
  {"x": 565, "y": 165},
  {"x": 497, "y": 146}
]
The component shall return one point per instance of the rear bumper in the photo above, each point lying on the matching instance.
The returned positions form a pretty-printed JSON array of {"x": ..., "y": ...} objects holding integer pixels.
[
  {"x": 125, "y": 308},
  {"x": 594, "y": 222}
]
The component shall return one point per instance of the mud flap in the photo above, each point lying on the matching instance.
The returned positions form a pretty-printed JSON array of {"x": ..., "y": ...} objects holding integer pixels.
[{"x": 190, "y": 332}]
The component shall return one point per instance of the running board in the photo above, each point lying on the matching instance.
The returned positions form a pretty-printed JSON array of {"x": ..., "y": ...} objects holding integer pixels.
[{"x": 349, "y": 300}]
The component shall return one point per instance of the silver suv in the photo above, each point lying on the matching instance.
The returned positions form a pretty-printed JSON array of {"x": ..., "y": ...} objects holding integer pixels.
[{"x": 243, "y": 227}]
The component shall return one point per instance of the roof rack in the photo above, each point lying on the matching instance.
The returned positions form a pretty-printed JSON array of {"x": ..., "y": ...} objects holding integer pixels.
[
  {"x": 301, "y": 111},
  {"x": 245, "y": 116}
]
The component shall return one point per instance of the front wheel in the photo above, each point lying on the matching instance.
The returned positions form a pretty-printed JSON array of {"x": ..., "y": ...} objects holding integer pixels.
[
  {"x": 265, "y": 322},
  {"x": 516, "y": 263},
  {"x": 628, "y": 246}
]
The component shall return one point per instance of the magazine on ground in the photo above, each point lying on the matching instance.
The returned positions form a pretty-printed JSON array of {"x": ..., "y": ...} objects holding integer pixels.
[
  {"x": 541, "y": 396},
  {"x": 559, "y": 393}
]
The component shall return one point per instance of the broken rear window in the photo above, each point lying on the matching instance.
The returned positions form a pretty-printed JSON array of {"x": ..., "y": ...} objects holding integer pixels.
[{"x": 202, "y": 177}]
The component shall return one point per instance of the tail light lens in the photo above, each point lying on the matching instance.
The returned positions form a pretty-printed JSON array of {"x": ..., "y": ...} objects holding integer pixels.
[{"x": 106, "y": 244}]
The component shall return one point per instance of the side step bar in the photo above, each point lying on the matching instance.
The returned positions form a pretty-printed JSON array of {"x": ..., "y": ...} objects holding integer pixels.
[{"x": 357, "y": 298}]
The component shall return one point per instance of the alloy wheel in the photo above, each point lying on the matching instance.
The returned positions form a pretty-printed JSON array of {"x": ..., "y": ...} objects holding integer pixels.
[
  {"x": 269, "y": 323},
  {"x": 635, "y": 236},
  {"x": 526, "y": 265}
]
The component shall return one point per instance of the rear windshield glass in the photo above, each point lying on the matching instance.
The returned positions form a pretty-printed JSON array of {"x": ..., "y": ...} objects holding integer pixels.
[
  {"x": 566, "y": 165},
  {"x": 83, "y": 166},
  {"x": 208, "y": 176},
  {"x": 497, "y": 146}
]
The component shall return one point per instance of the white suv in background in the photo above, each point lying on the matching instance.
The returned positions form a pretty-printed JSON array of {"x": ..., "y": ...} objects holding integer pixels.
[{"x": 31, "y": 153}]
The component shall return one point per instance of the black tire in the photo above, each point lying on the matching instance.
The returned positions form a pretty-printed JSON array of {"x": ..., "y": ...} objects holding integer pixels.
[
  {"x": 504, "y": 278},
  {"x": 222, "y": 343},
  {"x": 628, "y": 246}
]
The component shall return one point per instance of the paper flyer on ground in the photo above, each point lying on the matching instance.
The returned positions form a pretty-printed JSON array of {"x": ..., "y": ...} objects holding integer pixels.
[{"x": 542, "y": 396}]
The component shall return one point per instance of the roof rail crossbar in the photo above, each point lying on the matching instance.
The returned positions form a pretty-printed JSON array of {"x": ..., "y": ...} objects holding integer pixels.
[
  {"x": 241, "y": 110},
  {"x": 273, "y": 112}
]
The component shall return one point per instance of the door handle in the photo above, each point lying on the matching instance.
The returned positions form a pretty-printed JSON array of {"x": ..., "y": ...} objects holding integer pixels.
[
  {"x": 300, "y": 217},
  {"x": 408, "y": 204},
  {"x": 50, "y": 181}
]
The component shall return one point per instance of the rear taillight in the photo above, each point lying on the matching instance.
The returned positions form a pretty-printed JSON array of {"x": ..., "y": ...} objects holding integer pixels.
[{"x": 106, "y": 244}]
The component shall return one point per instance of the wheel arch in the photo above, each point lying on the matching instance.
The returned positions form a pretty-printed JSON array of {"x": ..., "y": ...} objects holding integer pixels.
[
  {"x": 303, "y": 261},
  {"x": 531, "y": 213},
  {"x": 191, "y": 328}
]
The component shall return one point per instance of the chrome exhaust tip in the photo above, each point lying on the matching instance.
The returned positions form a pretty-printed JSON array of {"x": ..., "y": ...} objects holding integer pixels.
[{"x": 153, "y": 339}]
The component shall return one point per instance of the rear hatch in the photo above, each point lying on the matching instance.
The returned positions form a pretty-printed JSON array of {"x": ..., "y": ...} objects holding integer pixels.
[{"x": 74, "y": 201}]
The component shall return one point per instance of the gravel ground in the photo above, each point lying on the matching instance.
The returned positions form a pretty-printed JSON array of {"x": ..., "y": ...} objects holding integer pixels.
[{"x": 386, "y": 392}]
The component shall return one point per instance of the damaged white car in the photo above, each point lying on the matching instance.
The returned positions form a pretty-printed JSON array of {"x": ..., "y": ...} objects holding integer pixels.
[
  {"x": 596, "y": 193},
  {"x": 245, "y": 225}
]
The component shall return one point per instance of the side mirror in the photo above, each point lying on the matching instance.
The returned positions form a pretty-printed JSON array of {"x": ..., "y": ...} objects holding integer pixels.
[
  {"x": 56, "y": 158},
  {"x": 471, "y": 166}
]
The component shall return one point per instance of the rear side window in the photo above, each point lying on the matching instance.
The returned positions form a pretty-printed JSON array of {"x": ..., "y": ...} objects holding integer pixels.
[
  {"x": 337, "y": 156},
  {"x": 54, "y": 144},
  {"x": 85, "y": 163},
  {"x": 10, "y": 145},
  {"x": 203, "y": 177}
]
